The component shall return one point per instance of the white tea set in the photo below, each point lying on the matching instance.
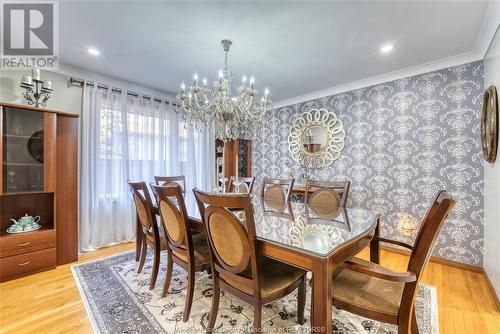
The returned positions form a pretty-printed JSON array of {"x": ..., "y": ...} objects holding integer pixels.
[{"x": 26, "y": 223}]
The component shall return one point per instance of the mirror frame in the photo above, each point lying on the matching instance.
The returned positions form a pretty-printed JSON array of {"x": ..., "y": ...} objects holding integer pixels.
[
  {"x": 489, "y": 121},
  {"x": 328, "y": 153}
]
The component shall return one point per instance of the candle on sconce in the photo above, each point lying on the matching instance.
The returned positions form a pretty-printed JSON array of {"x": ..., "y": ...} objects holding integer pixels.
[
  {"x": 195, "y": 77},
  {"x": 252, "y": 81},
  {"x": 183, "y": 87},
  {"x": 35, "y": 72},
  {"x": 27, "y": 80},
  {"x": 204, "y": 82},
  {"x": 266, "y": 93},
  {"x": 244, "y": 80},
  {"x": 47, "y": 84}
]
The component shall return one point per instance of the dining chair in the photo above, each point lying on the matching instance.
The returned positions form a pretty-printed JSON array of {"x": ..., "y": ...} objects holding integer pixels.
[
  {"x": 138, "y": 231},
  {"x": 236, "y": 266},
  {"x": 186, "y": 250},
  {"x": 171, "y": 181},
  {"x": 153, "y": 236},
  {"x": 277, "y": 190},
  {"x": 370, "y": 290},
  {"x": 324, "y": 198},
  {"x": 245, "y": 187},
  {"x": 324, "y": 191},
  {"x": 269, "y": 208}
]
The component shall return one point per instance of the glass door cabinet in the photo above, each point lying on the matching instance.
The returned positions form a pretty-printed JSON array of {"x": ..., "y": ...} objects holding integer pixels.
[{"x": 23, "y": 150}]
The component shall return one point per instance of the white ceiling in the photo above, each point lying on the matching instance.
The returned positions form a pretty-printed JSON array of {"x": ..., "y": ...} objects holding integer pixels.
[{"x": 292, "y": 47}]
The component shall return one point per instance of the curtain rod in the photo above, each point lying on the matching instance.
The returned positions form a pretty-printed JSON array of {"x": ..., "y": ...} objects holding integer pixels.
[{"x": 80, "y": 83}]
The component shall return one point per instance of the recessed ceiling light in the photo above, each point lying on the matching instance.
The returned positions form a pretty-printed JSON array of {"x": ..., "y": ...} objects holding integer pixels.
[
  {"x": 386, "y": 48},
  {"x": 93, "y": 51}
]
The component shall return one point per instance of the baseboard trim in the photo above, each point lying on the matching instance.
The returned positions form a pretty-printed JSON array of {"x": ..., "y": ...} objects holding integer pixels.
[
  {"x": 492, "y": 289},
  {"x": 440, "y": 260}
]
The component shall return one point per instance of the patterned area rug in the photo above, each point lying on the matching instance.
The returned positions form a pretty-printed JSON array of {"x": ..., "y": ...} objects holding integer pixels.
[{"x": 118, "y": 300}]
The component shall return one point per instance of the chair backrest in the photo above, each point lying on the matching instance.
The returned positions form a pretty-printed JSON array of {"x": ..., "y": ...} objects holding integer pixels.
[
  {"x": 277, "y": 209},
  {"x": 277, "y": 190},
  {"x": 425, "y": 241},
  {"x": 171, "y": 181},
  {"x": 429, "y": 231},
  {"x": 245, "y": 187},
  {"x": 320, "y": 192},
  {"x": 144, "y": 208},
  {"x": 174, "y": 218},
  {"x": 231, "y": 238}
]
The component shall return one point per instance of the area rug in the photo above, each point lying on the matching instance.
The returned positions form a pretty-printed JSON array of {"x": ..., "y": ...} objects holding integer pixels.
[{"x": 118, "y": 300}]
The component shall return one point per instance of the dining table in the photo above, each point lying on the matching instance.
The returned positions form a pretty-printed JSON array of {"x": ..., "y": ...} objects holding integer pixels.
[{"x": 314, "y": 238}]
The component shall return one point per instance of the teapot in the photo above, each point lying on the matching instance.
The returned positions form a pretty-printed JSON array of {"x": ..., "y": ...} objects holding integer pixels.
[{"x": 26, "y": 223}]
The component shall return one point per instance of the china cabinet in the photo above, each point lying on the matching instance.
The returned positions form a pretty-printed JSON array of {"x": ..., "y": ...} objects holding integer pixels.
[
  {"x": 232, "y": 158},
  {"x": 38, "y": 178}
]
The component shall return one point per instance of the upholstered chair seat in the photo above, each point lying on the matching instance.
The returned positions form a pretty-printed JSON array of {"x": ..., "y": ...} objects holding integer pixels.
[
  {"x": 163, "y": 238},
  {"x": 200, "y": 249},
  {"x": 276, "y": 276},
  {"x": 365, "y": 291}
]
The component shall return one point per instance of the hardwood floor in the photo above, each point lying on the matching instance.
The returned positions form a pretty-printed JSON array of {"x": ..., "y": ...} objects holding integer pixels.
[{"x": 49, "y": 302}]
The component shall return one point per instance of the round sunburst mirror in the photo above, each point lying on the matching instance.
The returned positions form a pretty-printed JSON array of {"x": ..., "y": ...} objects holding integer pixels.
[
  {"x": 317, "y": 138},
  {"x": 489, "y": 124}
]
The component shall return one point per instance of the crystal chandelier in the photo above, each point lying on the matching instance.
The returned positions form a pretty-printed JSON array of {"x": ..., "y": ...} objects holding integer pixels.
[{"x": 229, "y": 115}]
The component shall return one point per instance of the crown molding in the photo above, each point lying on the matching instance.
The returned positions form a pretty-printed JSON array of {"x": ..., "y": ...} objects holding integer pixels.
[
  {"x": 488, "y": 29},
  {"x": 382, "y": 78},
  {"x": 485, "y": 36}
]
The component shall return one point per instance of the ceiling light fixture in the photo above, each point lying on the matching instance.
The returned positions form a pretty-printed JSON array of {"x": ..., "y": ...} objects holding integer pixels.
[
  {"x": 93, "y": 51},
  {"x": 229, "y": 111},
  {"x": 386, "y": 48}
]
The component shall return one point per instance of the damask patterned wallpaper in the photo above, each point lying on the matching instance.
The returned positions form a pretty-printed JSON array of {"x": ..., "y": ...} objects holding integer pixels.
[{"x": 406, "y": 139}]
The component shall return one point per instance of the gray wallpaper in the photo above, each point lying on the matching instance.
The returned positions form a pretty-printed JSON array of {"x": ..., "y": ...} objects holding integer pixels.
[{"x": 406, "y": 139}]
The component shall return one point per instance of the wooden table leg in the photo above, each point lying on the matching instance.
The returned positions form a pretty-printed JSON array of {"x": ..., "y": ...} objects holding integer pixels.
[
  {"x": 321, "y": 298},
  {"x": 375, "y": 245},
  {"x": 138, "y": 239}
]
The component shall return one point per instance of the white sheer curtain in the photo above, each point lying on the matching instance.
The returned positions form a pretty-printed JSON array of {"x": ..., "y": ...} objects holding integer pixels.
[{"x": 128, "y": 137}]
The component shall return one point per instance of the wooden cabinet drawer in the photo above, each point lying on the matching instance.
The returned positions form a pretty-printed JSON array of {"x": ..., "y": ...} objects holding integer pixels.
[
  {"x": 22, "y": 243},
  {"x": 26, "y": 264}
]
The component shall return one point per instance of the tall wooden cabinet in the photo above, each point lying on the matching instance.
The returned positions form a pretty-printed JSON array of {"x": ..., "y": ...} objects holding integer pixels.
[
  {"x": 233, "y": 158},
  {"x": 38, "y": 177}
]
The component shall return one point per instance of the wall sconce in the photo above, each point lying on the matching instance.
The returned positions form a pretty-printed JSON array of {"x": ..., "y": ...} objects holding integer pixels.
[
  {"x": 37, "y": 90},
  {"x": 406, "y": 224}
]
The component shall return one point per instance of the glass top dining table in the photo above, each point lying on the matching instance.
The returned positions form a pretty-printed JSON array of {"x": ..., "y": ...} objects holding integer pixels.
[
  {"x": 315, "y": 238},
  {"x": 315, "y": 229}
]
